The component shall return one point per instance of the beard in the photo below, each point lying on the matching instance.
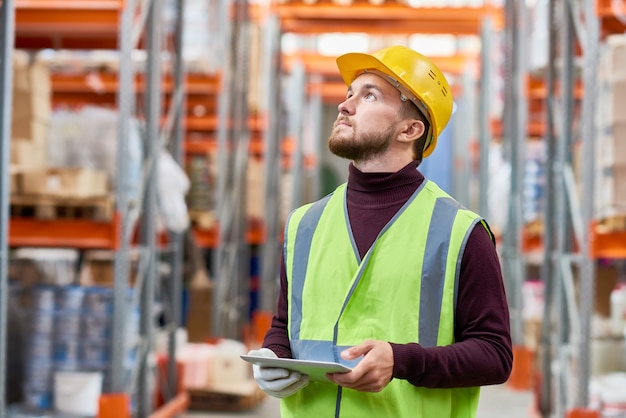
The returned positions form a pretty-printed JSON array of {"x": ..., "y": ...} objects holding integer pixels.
[{"x": 368, "y": 146}]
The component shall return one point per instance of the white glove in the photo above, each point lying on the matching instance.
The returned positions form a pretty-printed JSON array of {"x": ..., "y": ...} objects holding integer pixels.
[{"x": 276, "y": 381}]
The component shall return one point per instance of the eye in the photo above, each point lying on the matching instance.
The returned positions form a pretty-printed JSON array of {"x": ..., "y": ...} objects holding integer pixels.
[{"x": 370, "y": 96}]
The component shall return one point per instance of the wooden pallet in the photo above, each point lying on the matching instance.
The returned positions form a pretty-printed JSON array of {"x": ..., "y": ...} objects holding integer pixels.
[
  {"x": 50, "y": 208},
  {"x": 616, "y": 223},
  {"x": 200, "y": 400}
]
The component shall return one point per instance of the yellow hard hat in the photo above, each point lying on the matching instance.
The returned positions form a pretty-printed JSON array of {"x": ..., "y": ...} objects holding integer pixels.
[{"x": 417, "y": 78}]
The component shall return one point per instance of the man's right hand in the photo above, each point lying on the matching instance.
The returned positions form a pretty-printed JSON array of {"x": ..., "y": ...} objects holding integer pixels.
[{"x": 276, "y": 381}]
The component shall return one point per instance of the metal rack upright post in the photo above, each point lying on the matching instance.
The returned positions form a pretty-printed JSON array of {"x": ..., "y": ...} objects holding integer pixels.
[
  {"x": 176, "y": 238},
  {"x": 232, "y": 255},
  {"x": 515, "y": 115},
  {"x": 567, "y": 329},
  {"x": 7, "y": 16},
  {"x": 270, "y": 252}
]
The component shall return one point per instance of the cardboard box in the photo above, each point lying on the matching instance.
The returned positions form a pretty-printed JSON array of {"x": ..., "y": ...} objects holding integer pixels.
[
  {"x": 30, "y": 129},
  {"x": 617, "y": 103},
  {"x": 34, "y": 105},
  {"x": 613, "y": 58},
  {"x": 618, "y": 143},
  {"x": 607, "y": 275},
  {"x": 255, "y": 190},
  {"x": 32, "y": 90},
  {"x": 98, "y": 268},
  {"x": 27, "y": 155},
  {"x": 610, "y": 191},
  {"x": 604, "y": 149},
  {"x": 619, "y": 186},
  {"x": 15, "y": 186},
  {"x": 228, "y": 371},
  {"x": 65, "y": 182},
  {"x": 200, "y": 312},
  {"x": 30, "y": 76}
]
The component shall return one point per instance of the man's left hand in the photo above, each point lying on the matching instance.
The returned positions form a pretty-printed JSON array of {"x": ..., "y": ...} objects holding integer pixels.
[{"x": 373, "y": 372}]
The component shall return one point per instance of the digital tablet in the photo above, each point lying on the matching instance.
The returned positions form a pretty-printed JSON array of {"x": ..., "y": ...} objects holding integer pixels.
[{"x": 316, "y": 370}]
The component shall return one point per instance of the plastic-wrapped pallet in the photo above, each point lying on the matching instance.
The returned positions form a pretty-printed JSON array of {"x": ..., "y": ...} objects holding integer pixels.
[
  {"x": 87, "y": 138},
  {"x": 611, "y": 127}
]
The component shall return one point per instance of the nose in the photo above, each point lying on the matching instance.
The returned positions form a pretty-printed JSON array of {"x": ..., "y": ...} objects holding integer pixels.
[{"x": 344, "y": 107}]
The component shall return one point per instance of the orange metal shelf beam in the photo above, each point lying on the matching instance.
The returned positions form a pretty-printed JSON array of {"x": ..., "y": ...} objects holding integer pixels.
[
  {"x": 209, "y": 123},
  {"x": 607, "y": 244},
  {"x": 208, "y": 238},
  {"x": 531, "y": 242},
  {"x": 536, "y": 89},
  {"x": 610, "y": 16},
  {"x": 610, "y": 245},
  {"x": 327, "y": 65},
  {"x": 78, "y": 233},
  {"x": 84, "y": 24},
  {"x": 384, "y": 19},
  {"x": 209, "y": 144},
  {"x": 106, "y": 82}
]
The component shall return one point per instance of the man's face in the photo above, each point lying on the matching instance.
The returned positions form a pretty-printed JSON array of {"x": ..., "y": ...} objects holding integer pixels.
[{"x": 368, "y": 119}]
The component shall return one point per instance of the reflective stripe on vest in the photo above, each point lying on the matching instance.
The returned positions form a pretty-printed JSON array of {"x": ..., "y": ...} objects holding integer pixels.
[{"x": 337, "y": 300}]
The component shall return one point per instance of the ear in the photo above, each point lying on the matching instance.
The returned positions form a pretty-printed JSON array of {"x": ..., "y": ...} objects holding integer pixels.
[{"x": 412, "y": 130}]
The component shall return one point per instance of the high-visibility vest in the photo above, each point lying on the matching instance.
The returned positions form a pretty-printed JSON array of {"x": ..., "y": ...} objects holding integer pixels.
[{"x": 403, "y": 290}]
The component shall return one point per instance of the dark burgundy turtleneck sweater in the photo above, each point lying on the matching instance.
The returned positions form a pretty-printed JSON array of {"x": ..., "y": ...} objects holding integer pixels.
[{"x": 482, "y": 354}]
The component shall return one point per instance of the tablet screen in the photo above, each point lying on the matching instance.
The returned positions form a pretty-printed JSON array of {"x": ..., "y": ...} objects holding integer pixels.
[{"x": 316, "y": 370}]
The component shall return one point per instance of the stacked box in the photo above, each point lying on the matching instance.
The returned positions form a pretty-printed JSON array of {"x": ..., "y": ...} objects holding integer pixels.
[
  {"x": 32, "y": 94},
  {"x": 30, "y": 117},
  {"x": 98, "y": 268},
  {"x": 611, "y": 127},
  {"x": 255, "y": 189}
]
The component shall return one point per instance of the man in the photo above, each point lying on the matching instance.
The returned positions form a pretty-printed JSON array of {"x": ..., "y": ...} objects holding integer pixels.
[{"x": 388, "y": 273}]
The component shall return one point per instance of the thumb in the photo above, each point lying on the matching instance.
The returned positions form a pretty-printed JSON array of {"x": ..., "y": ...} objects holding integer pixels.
[{"x": 356, "y": 351}]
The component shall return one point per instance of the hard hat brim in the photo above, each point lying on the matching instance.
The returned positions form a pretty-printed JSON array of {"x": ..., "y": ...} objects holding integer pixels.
[{"x": 351, "y": 65}]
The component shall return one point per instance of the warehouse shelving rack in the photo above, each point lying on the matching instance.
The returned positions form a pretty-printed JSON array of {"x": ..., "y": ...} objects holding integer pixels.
[
  {"x": 571, "y": 236},
  {"x": 120, "y": 25},
  {"x": 319, "y": 78},
  {"x": 245, "y": 132},
  {"x": 570, "y": 219}
]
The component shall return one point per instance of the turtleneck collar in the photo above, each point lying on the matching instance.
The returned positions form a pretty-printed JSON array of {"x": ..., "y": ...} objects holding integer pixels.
[{"x": 378, "y": 182}]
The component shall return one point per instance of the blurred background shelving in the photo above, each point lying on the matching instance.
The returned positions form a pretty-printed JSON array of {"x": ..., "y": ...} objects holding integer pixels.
[{"x": 241, "y": 96}]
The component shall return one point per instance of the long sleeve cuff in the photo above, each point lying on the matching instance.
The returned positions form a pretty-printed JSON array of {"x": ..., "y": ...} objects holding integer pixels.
[{"x": 408, "y": 360}]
